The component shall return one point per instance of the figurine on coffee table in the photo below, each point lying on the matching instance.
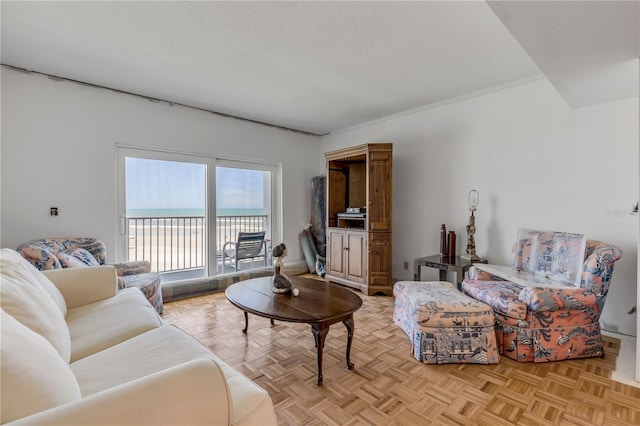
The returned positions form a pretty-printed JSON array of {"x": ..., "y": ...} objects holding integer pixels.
[{"x": 281, "y": 282}]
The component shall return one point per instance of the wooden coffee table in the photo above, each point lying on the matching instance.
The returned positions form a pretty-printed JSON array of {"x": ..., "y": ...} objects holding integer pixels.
[{"x": 319, "y": 304}]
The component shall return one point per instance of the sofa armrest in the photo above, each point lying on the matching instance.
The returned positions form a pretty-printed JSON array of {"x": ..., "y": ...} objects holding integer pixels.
[
  {"x": 132, "y": 267},
  {"x": 81, "y": 286},
  {"x": 480, "y": 275},
  {"x": 193, "y": 393},
  {"x": 598, "y": 267},
  {"x": 554, "y": 299}
]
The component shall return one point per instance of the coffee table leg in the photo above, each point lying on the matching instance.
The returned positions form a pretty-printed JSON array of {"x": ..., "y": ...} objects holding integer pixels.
[
  {"x": 246, "y": 322},
  {"x": 320, "y": 332},
  {"x": 349, "y": 324}
]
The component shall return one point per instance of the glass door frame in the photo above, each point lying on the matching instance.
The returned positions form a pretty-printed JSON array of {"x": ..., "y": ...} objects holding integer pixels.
[
  {"x": 274, "y": 213},
  {"x": 124, "y": 151}
]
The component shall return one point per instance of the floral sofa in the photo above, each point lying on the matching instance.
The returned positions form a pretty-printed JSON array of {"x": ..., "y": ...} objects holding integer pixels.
[
  {"x": 55, "y": 253},
  {"x": 76, "y": 351},
  {"x": 538, "y": 322}
]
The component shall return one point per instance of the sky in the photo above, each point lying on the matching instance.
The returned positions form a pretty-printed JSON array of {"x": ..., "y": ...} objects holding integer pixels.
[{"x": 156, "y": 184}]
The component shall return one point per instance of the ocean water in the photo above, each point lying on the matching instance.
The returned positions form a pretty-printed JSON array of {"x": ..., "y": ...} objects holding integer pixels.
[{"x": 191, "y": 212}]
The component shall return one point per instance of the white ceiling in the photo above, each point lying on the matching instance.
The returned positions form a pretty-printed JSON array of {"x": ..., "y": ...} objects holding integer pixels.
[
  {"x": 587, "y": 49},
  {"x": 323, "y": 66}
]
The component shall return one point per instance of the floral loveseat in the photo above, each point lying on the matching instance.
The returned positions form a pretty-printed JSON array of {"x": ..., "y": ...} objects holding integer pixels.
[
  {"x": 56, "y": 253},
  {"x": 538, "y": 322}
]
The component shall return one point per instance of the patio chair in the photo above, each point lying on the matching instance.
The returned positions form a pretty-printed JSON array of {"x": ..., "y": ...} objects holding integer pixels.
[{"x": 249, "y": 246}]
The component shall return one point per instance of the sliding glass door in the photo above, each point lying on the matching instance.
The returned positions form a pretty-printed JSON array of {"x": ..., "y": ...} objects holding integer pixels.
[
  {"x": 184, "y": 213},
  {"x": 243, "y": 205},
  {"x": 166, "y": 215}
]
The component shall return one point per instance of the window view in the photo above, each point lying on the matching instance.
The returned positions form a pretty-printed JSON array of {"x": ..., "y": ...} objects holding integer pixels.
[
  {"x": 168, "y": 223},
  {"x": 243, "y": 199},
  {"x": 166, "y": 210}
]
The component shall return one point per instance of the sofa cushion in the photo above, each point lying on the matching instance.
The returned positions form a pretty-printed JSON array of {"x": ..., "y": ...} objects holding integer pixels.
[
  {"x": 34, "y": 377},
  {"x": 29, "y": 296},
  {"x": 42, "y": 252},
  {"x": 99, "y": 325},
  {"x": 10, "y": 257},
  {"x": 502, "y": 296},
  {"x": 40, "y": 257},
  {"x": 163, "y": 348},
  {"x": 77, "y": 257}
]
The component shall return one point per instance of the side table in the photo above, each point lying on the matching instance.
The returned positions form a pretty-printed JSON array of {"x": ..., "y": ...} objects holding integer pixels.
[{"x": 444, "y": 264}]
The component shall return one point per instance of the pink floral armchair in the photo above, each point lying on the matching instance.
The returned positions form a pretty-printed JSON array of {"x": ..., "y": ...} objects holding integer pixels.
[
  {"x": 536, "y": 323},
  {"x": 55, "y": 253}
]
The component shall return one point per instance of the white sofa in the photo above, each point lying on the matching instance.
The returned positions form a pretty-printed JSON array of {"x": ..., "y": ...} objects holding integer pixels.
[{"x": 76, "y": 351}]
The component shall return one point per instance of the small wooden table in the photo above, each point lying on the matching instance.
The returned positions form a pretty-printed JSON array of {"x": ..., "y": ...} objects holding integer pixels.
[
  {"x": 444, "y": 264},
  {"x": 319, "y": 304}
]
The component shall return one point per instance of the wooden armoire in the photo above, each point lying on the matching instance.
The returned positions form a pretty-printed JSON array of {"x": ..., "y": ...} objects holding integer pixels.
[{"x": 359, "y": 202}]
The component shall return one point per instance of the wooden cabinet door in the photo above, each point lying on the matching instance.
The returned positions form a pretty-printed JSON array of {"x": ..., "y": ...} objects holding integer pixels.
[
  {"x": 379, "y": 259},
  {"x": 335, "y": 252},
  {"x": 380, "y": 185},
  {"x": 356, "y": 255}
]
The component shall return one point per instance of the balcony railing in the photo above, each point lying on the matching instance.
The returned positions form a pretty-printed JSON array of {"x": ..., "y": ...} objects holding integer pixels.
[{"x": 178, "y": 243}]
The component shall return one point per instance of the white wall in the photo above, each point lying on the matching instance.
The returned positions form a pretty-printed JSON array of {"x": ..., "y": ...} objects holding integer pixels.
[
  {"x": 535, "y": 163},
  {"x": 59, "y": 149}
]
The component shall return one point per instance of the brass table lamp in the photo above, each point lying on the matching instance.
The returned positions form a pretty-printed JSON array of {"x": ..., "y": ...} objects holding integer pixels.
[{"x": 470, "y": 252}]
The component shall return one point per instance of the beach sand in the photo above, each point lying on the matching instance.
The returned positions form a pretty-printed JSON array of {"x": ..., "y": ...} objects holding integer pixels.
[{"x": 172, "y": 244}]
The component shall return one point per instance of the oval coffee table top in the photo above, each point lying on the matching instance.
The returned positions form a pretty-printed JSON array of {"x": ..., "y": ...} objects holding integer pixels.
[{"x": 319, "y": 301}]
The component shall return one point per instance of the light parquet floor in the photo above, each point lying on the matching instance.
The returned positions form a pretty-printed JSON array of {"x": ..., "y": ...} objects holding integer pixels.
[{"x": 388, "y": 385}]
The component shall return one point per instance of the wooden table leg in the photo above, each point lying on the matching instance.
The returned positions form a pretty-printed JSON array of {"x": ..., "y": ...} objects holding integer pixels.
[
  {"x": 246, "y": 322},
  {"x": 350, "y": 325},
  {"x": 320, "y": 332}
]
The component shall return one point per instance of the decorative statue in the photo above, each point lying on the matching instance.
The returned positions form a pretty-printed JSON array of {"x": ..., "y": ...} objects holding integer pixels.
[
  {"x": 470, "y": 252},
  {"x": 281, "y": 282}
]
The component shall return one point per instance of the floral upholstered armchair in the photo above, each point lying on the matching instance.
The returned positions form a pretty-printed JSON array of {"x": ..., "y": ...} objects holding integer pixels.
[
  {"x": 555, "y": 316},
  {"x": 55, "y": 253}
]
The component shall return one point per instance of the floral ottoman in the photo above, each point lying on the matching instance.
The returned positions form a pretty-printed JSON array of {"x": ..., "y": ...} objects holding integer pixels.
[{"x": 444, "y": 325}]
